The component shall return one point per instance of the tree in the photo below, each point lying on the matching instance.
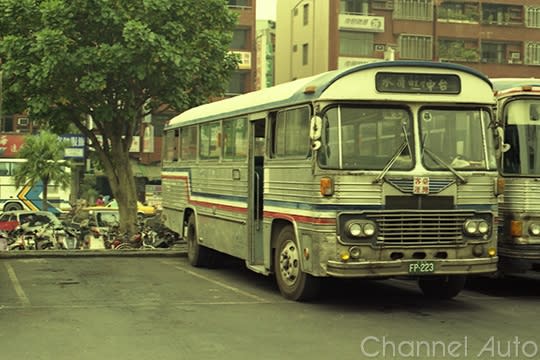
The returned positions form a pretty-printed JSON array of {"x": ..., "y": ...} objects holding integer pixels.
[
  {"x": 113, "y": 61},
  {"x": 45, "y": 162}
]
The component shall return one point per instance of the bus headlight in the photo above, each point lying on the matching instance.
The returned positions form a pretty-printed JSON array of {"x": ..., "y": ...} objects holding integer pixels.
[
  {"x": 470, "y": 227},
  {"x": 360, "y": 228},
  {"x": 483, "y": 227},
  {"x": 355, "y": 229},
  {"x": 534, "y": 229},
  {"x": 369, "y": 229},
  {"x": 476, "y": 227}
]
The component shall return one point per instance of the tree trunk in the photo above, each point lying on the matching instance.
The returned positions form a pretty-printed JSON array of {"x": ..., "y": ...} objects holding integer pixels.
[
  {"x": 44, "y": 202},
  {"x": 122, "y": 182}
]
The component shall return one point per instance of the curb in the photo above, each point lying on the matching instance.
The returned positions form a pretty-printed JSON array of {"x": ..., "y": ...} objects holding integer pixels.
[{"x": 26, "y": 254}]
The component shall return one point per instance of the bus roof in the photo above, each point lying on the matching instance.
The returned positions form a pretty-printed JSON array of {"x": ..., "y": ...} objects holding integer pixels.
[
  {"x": 294, "y": 92},
  {"x": 500, "y": 84}
]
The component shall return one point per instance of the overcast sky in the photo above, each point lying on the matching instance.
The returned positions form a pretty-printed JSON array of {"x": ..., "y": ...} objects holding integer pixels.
[{"x": 266, "y": 9}]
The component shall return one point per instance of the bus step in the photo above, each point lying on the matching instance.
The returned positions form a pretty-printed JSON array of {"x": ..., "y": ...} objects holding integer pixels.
[{"x": 258, "y": 268}]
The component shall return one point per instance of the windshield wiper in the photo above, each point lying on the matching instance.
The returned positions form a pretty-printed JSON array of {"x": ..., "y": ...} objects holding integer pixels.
[
  {"x": 444, "y": 163},
  {"x": 393, "y": 159}
]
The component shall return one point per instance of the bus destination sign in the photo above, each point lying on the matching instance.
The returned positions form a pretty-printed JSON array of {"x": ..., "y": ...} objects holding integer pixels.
[{"x": 417, "y": 83}]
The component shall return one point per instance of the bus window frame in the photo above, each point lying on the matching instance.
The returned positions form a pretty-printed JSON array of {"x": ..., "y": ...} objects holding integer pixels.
[
  {"x": 274, "y": 119},
  {"x": 183, "y": 154},
  {"x": 244, "y": 154},
  {"x": 218, "y": 141}
]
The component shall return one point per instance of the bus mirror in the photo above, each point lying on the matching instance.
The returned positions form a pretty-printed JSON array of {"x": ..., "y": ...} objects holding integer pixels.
[
  {"x": 500, "y": 138},
  {"x": 315, "y": 128}
]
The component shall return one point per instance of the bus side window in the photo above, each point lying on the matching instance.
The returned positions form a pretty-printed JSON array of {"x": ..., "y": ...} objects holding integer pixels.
[
  {"x": 4, "y": 169},
  {"x": 171, "y": 144},
  {"x": 291, "y": 133}
]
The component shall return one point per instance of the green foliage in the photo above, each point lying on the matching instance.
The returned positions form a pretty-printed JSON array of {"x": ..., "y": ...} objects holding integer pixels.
[
  {"x": 66, "y": 61},
  {"x": 45, "y": 162},
  {"x": 107, "y": 58}
]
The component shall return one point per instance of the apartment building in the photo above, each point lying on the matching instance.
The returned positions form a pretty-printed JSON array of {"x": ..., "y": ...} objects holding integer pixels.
[
  {"x": 501, "y": 38},
  {"x": 243, "y": 45}
]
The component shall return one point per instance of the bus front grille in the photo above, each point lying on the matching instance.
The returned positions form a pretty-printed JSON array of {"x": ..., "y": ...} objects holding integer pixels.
[{"x": 420, "y": 228}]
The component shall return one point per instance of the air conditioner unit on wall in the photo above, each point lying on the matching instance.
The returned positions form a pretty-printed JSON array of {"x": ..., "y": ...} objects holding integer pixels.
[{"x": 22, "y": 122}]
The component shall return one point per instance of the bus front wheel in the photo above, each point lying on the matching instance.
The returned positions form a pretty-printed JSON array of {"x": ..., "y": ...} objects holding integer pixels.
[
  {"x": 13, "y": 206},
  {"x": 293, "y": 283},
  {"x": 198, "y": 255},
  {"x": 442, "y": 287}
]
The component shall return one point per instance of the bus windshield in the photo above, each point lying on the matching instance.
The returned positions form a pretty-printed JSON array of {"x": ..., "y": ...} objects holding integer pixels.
[
  {"x": 522, "y": 133},
  {"x": 456, "y": 139},
  {"x": 366, "y": 138}
]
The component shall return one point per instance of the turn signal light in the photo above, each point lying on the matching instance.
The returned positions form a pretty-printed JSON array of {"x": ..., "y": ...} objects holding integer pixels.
[
  {"x": 326, "y": 186},
  {"x": 516, "y": 228},
  {"x": 500, "y": 185}
]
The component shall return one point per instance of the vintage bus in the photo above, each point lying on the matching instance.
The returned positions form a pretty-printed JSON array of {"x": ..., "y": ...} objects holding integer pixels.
[
  {"x": 379, "y": 170},
  {"x": 518, "y": 111},
  {"x": 29, "y": 197}
]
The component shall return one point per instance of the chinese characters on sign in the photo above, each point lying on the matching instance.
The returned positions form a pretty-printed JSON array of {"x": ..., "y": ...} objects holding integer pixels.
[
  {"x": 418, "y": 83},
  {"x": 10, "y": 145},
  {"x": 421, "y": 185},
  {"x": 76, "y": 146},
  {"x": 361, "y": 22}
]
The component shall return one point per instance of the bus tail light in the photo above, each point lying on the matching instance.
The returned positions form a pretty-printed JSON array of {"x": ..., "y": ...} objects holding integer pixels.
[
  {"x": 326, "y": 186},
  {"x": 516, "y": 228}
]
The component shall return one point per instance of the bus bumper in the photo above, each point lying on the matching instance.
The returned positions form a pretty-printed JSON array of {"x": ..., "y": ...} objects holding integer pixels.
[
  {"x": 374, "y": 269},
  {"x": 518, "y": 258}
]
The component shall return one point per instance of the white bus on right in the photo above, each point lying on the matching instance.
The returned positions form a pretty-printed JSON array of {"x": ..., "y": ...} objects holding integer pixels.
[{"x": 518, "y": 112}]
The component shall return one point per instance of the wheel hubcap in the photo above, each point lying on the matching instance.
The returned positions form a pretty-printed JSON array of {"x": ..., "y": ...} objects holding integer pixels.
[{"x": 289, "y": 264}]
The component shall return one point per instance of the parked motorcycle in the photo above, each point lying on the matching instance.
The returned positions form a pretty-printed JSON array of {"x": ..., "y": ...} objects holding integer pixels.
[{"x": 21, "y": 238}]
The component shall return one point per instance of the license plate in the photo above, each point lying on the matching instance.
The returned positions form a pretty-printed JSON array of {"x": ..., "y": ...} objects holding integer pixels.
[{"x": 421, "y": 267}]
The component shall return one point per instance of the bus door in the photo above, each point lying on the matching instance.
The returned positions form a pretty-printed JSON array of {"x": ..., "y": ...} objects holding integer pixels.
[{"x": 256, "y": 181}]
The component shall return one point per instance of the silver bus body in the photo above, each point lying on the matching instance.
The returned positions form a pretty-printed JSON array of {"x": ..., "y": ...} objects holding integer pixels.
[
  {"x": 370, "y": 198},
  {"x": 518, "y": 104}
]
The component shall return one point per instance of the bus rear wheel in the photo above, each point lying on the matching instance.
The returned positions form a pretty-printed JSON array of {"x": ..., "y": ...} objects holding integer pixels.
[
  {"x": 293, "y": 283},
  {"x": 442, "y": 287},
  {"x": 198, "y": 255}
]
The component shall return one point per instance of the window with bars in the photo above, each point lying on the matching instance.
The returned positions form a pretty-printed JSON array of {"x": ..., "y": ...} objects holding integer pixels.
[
  {"x": 493, "y": 53},
  {"x": 354, "y": 43},
  {"x": 306, "y": 14},
  {"x": 240, "y": 39},
  {"x": 305, "y": 54},
  {"x": 532, "y": 16},
  {"x": 500, "y": 14},
  {"x": 413, "y": 9},
  {"x": 458, "y": 11},
  {"x": 532, "y": 53},
  {"x": 416, "y": 47},
  {"x": 354, "y": 6}
]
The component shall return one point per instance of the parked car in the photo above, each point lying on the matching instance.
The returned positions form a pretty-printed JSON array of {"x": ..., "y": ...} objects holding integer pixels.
[
  {"x": 142, "y": 209},
  {"x": 10, "y": 220}
]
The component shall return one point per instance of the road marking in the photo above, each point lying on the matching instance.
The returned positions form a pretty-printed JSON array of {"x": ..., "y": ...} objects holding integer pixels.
[
  {"x": 17, "y": 285},
  {"x": 222, "y": 284}
]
